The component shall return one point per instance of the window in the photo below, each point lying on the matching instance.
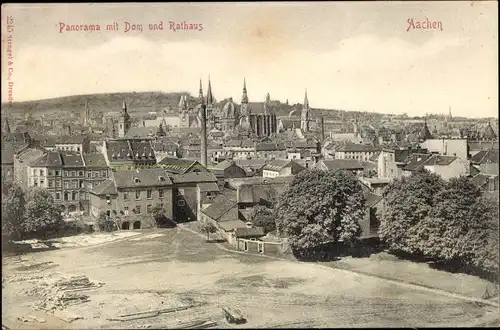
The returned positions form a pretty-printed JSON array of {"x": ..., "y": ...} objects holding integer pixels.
[
  {"x": 125, "y": 210},
  {"x": 82, "y": 196},
  {"x": 51, "y": 173},
  {"x": 74, "y": 184},
  {"x": 180, "y": 191},
  {"x": 149, "y": 207},
  {"x": 138, "y": 209},
  {"x": 89, "y": 173},
  {"x": 42, "y": 183},
  {"x": 80, "y": 173},
  {"x": 160, "y": 193},
  {"x": 78, "y": 149},
  {"x": 104, "y": 173},
  {"x": 58, "y": 173},
  {"x": 41, "y": 172},
  {"x": 66, "y": 173},
  {"x": 73, "y": 173},
  {"x": 161, "y": 205},
  {"x": 58, "y": 183},
  {"x": 96, "y": 174},
  {"x": 149, "y": 194},
  {"x": 181, "y": 202},
  {"x": 86, "y": 195},
  {"x": 51, "y": 183},
  {"x": 66, "y": 196},
  {"x": 137, "y": 194},
  {"x": 74, "y": 196},
  {"x": 58, "y": 196},
  {"x": 125, "y": 196},
  {"x": 108, "y": 199},
  {"x": 261, "y": 247}
]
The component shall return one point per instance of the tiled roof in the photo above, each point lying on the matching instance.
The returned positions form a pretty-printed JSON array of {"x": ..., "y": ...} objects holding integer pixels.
[
  {"x": 231, "y": 224},
  {"x": 278, "y": 164},
  {"x": 482, "y": 145},
  {"x": 195, "y": 177},
  {"x": 220, "y": 206},
  {"x": 208, "y": 187},
  {"x": 480, "y": 179},
  {"x": 106, "y": 187},
  {"x": 49, "y": 159},
  {"x": 52, "y": 140},
  {"x": 130, "y": 150},
  {"x": 353, "y": 147},
  {"x": 29, "y": 154},
  {"x": 71, "y": 159},
  {"x": 415, "y": 161},
  {"x": 342, "y": 164},
  {"x": 439, "y": 160},
  {"x": 94, "y": 160},
  {"x": 177, "y": 165},
  {"x": 486, "y": 156},
  {"x": 149, "y": 177},
  {"x": 141, "y": 132},
  {"x": 242, "y": 232},
  {"x": 270, "y": 146}
]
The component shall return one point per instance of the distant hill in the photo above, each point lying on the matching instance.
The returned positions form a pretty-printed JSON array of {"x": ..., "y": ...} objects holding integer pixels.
[{"x": 107, "y": 102}]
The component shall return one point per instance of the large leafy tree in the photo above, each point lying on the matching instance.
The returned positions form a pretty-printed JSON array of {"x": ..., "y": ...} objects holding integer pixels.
[
  {"x": 408, "y": 201},
  {"x": 42, "y": 214},
  {"x": 13, "y": 208},
  {"x": 264, "y": 217},
  {"x": 320, "y": 207}
]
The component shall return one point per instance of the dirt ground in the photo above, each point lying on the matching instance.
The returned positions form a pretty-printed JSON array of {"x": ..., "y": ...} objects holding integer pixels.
[{"x": 168, "y": 268}]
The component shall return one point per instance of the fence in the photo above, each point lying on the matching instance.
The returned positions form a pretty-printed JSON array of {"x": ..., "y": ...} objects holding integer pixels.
[{"x": 263, "y": 247}]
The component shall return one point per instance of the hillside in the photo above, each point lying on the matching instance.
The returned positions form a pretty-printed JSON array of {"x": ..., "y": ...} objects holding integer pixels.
[{"x": 108, "y": 102}]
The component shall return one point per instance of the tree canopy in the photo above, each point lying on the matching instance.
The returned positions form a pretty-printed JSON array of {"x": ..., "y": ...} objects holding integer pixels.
[
  {"x": 264, "y": 217},
  {"x": 320, "y": 207},
  {"x": 42, "y": 215}
]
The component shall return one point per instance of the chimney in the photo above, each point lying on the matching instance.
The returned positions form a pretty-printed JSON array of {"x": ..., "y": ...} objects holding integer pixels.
[
  {"x": 69, "y": 130},
  {"x": 204, "y": 135},
  {"x": 322, "y": 128}
]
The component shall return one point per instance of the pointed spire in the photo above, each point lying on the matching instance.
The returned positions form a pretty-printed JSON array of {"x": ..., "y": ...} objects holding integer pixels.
[
  {"x": 5, "y": 126},
  {"x": 449, "y": 112},
  {"x": 181, "y": 102},
  {"x": 244, "y": 98},
  {"x": 306, "y": 101},
  {"x": 268, "y": 98},
  {"x": 124, "y": 106},
  {"x": 210, "y": 97}
]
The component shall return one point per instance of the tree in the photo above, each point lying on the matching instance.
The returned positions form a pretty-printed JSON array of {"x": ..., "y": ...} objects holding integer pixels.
[
  {"x": 208, "y": 228},
  {"x": 408, "y": 201},
  {"x": 159, "y": 216},
  {"x": 13, "y": 208},
  {"x": 264, "y": 217},
  {"x": 104, "y": 223},
  {"x": 42, "y": 214},
  {"x": 320, "y": 207}
]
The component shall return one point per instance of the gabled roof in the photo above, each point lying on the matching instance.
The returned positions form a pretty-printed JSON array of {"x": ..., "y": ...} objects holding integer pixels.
[
  {"x": 481, "y": 179},
  {"x": 71, "y": 159},
  {"x": 107, "y": 187},
  {"x": 193, "y": 177},
  {"x": 220, "y": 206},
  {"x": 342, "y": 164},
  {"x": 244, "y": 232},
  {"x": 486, "y": 156},
  {"x": 354, "y": 147},
  {"x": 130, "y": 150},
  {"x": 279, "y": 164},
  {"x": 148, "y": 177}
]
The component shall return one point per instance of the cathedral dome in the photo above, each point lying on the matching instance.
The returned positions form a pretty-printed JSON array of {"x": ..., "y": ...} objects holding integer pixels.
[{"x": 229, "y": 109}]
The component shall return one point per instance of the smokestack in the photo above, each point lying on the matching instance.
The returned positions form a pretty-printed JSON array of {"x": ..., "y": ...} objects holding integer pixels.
[
  {"x": 69, "y": 130},
  {"x": 322, "y": 129},
  {"x": 204, "y": 135}
]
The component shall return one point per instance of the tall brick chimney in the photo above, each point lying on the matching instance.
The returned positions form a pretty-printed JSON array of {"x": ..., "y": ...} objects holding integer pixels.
[{"x": 204, "y": 135}]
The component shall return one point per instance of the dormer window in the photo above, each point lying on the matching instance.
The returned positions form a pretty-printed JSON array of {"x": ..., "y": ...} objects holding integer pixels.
[
  {"x": 137, "y": 180},
  {"x": 161, "y": 178},
  {"x": 129, "y": 155}
]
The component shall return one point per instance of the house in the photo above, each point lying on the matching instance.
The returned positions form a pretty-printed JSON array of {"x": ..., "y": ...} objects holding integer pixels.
[
  {"x": 486, "y": 161},
  {"x": 356, "y": 151},
  {"x": 447, "y": 147},
  {"x": 252, "y": 167},
  {"x": 351, "y": 165},
  {"x": 281, "y": 167},
  {"x": 447, "y": 166},
  {"x": 181, "y": 165},
  {"x": 22, "y": 161},
  {"x": 240, "y": 149},
  {"x": 392, "y": 159},
  {"x": 7, "y": 162},
  {"x": 251, "y": 192},
  {"x": 206, "y": 193},
  {"x": 223, "y": 213},
  {"x": 229, "y": 170},
  {"x": 96, "y": 171},
  {"x": 165, "y": 147},
  {"x": 129, "y": 196},
  {"x": 476, "y": 146},
  {"x": 414, "y": 162},
  {"x": 185, "y": 194},
  {"x": 271, "y": 150},
  {"x": 75, "y": 143},
  {"x": 128, "y": 152}
]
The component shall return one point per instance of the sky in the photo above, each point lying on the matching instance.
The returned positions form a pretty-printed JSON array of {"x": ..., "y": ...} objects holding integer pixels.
[{"x": 357, "y": 56}]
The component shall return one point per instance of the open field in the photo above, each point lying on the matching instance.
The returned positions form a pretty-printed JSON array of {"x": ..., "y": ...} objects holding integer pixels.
[{"x": 173, "y": 268}]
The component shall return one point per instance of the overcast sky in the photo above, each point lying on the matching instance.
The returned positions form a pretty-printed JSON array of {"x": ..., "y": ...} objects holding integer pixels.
[{"x": 352, "y": 56}]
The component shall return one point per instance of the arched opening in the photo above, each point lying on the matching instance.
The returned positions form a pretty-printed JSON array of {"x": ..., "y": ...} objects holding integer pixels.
[
  {"x": 125, "y": 225},
  {"x": 137, "y": 225},
  {"x": 71, "y": 208}
]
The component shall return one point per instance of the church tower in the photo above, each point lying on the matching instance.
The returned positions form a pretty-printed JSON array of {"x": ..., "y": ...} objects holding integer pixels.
[
  {"x": 86, "y": 115},
  {"x": 200, "y": 95},
  {"x": 244, "y": 101},
  {"x": 5, "y": 127},
  {"x": 124, "y": 121},
  {"x": 210, "y": 104},
  {"x": 304, "y": 119}
]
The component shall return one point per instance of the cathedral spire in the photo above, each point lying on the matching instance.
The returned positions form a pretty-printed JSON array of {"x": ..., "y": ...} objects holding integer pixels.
[
  {"x": 201, "y": 92},
  {"x": 306, "y": 101},
  {"x": 244, "y": 98},
  {"x": 210, "y": 97},
  {"x": 5, "y": 126}
]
